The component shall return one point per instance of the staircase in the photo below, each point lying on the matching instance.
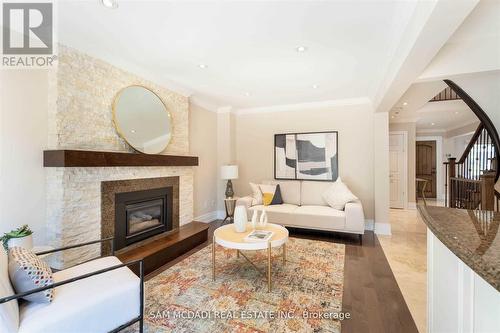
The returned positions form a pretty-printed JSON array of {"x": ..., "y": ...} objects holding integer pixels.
[{"x": 470, "y": 180}]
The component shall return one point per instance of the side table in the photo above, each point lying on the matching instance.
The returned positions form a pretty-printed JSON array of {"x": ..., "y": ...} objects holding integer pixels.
[{"x": 230, "y": 204}]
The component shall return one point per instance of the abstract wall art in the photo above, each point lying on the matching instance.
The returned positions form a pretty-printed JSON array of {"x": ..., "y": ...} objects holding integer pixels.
[{"x": 306, "y": 156}]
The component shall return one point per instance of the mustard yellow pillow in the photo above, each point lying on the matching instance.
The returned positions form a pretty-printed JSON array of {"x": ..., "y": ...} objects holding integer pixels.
[{"x": 271, "y": 194}]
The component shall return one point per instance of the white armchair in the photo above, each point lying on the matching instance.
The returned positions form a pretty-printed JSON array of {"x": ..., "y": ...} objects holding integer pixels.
[{"x": 101, "y": 295}]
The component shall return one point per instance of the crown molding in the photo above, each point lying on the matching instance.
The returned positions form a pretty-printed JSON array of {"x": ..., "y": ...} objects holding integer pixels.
[
  {"x": 203, "y": 103},
  {"x": 310, "y": 106}
]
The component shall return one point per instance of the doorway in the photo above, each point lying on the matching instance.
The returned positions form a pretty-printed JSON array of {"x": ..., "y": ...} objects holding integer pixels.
[
  {"x": 426, "y": 167},
  {"x": 398, "y": 169}
]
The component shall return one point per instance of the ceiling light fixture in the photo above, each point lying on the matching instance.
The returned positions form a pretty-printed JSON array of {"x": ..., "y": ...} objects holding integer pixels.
[
  {"x": 432, "y": 124},
  {"x": 315, "y": 86},
  {"x": 301, "y": 49},
  {"x": 405, "y": 103},
  {"x": 202, "y": 66},
  {"x": 456, "y": 112},
  {"x": 392, "y": 117},
  {"x": 110, "y": 3},
  {"x": 247, "y": 94}
]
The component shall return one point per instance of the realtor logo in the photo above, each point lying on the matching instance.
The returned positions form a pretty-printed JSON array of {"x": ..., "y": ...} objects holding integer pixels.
[{"x": 27, "y": 29}]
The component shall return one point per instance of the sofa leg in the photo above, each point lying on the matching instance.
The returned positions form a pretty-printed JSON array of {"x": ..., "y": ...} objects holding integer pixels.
[{"x": 360, "y": 239}]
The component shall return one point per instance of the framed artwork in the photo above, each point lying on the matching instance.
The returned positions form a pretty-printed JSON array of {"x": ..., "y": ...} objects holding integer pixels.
[{"x": 306, "y": 156}]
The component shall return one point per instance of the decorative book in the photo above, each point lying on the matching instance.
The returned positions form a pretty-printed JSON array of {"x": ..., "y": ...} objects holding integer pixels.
[{"x": 259, "y": 236}]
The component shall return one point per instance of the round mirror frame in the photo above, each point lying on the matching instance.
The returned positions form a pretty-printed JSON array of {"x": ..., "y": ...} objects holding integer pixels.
[{"x": 115, "y": 121}]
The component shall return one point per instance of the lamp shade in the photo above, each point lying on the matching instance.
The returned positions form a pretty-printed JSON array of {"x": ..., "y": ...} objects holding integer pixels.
[{"x": 229, "y": 172}]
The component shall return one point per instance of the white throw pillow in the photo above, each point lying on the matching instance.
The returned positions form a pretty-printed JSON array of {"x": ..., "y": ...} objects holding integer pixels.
[
  {"x": 338, "y": 194},
  {"x": 256, "y": 194}
]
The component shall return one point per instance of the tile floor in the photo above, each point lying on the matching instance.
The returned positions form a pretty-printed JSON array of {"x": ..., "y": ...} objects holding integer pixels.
[{"x": 406, "y": 252}]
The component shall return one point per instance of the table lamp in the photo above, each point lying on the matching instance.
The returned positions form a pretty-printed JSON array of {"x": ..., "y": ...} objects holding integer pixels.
[{"x": 229, "y": 172}]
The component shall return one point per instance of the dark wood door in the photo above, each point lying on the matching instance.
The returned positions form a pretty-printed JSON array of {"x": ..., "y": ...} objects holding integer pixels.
[{"x": 426, "y": 166}]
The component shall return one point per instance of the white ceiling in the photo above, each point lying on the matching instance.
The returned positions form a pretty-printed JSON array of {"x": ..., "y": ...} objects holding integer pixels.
[
  {"x": 248, "y": 47},
  {"x": 445, "y": 115}
]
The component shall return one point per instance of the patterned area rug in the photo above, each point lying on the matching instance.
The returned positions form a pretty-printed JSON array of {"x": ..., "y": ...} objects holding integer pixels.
[{"x": 184, "y": 298}]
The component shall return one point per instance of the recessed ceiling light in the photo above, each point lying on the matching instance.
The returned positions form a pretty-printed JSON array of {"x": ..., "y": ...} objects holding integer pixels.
[
  {"x": 202, "y": 66},
  {"x": 432, "y": 124},
  {"x": 456, "y": 112},
  {"x": 132, "y": 130},
  {"x": 405, "y": 103},
  {"x": 315, "y": 86},
  {"x": 392, "y": 117},
  {"x": 247, "y": 94},
  {"x": 301, "y": 49},
  {"x": 110, "y": 3}
]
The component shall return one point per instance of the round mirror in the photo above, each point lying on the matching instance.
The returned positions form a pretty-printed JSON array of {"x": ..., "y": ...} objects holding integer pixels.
[{"x": 142, "y": 119}]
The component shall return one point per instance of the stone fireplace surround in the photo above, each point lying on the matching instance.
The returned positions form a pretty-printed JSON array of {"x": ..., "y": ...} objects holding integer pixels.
[{"x": 81, "y": 92}]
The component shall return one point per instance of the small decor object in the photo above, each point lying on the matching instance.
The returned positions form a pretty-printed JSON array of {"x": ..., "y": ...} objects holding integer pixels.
[
  {"x": 240, "y": 218},
  {"x": 142, "y": 119},
  {"x": 271, "y": 195},
  {"x": 338, "y": 194},
  {"x": 27, "y": 272},
  {"x": 306, "y": 156},
  {"x": 229, "y": 172},
  {"x": 263, "y": 219},
  {"x": 21, "y": 236},
  {"x": 259, "y": 236},
  {"x": 254, "y": 219}
]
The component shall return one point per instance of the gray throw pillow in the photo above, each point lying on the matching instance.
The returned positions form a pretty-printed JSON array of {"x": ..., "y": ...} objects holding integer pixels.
[{"x": 28, "y": 272}]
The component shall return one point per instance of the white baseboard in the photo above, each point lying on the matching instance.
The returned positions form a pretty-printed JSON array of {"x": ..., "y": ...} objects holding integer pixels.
[
  {"x": 221, "y": 214},
  {"x": 412, "y": 205},
  {"x": 383, "y": 228},
  {"x": 208, "y": 217},
  {"x": 369, "y": 224}
]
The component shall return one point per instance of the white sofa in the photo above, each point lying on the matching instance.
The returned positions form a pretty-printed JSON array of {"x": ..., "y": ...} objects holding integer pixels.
[
  {"x": 99, "y": 303},
  {"x": 304, "y": 207}
]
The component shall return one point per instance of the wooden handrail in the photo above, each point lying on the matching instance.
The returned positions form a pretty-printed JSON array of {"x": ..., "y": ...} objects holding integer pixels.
[{"x": 471, "y": 144}]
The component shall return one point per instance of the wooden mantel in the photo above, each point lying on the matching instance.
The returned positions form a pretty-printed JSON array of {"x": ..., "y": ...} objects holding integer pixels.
[{"x": 89, "y": 158}]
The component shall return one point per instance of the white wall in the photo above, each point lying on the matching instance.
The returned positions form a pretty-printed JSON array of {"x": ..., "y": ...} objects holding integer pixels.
[
  {"x": 355, "y": 124},
  {"x": 381, "y": 169},
  {"x": 203, "y": 143},
  {"x": 24, "y": 134},
  {"x": 484, "y": 88}
]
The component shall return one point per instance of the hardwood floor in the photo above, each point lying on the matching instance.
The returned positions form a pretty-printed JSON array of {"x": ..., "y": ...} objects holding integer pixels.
[{"x": 371, "y": 293}]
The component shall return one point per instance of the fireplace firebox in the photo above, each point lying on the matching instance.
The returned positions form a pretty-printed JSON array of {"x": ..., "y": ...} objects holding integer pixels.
[{"x": 142, "y": 214}]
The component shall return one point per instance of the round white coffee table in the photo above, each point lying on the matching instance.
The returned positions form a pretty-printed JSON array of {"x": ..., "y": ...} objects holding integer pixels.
[{"x": 227, "y": 237}]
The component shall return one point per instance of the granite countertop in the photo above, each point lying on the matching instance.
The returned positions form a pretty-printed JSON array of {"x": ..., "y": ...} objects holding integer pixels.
[{"x": 472, "y": 235}]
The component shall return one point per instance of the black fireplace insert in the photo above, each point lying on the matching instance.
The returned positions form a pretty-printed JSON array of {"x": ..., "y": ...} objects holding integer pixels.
[{"x": 142, "y": 214}]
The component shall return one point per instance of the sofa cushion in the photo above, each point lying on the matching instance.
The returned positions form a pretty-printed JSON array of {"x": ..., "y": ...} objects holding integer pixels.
[
  {"x": 279, "y": 214},
  {"x": 271, "y": 194},
  {"x": 256, "y": 194},
  {"x": 338, "y": 194},
  {"x": 96, "y": 304},
  {"x": 27, "y": 272},
  {"x": 320, "y": 217},
  {"x": 290, "y": 190},
  {"x": 312, "y": 193},
  {"x": 9, "y": 312}
]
